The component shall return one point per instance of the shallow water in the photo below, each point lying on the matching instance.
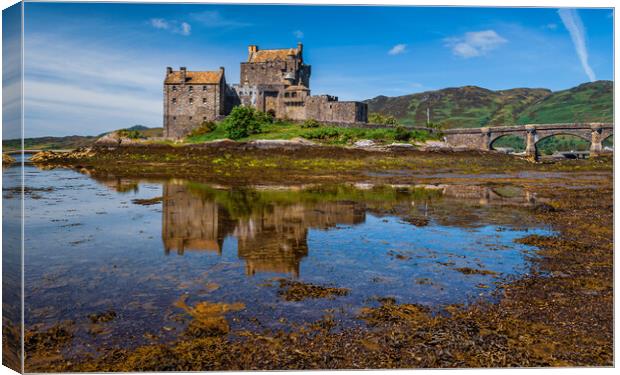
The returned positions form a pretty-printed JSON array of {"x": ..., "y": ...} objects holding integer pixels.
[{"x": 91, "y": 248}]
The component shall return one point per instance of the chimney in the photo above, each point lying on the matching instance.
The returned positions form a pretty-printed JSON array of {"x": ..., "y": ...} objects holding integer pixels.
[
  {"x": 252, "y": 49},
  {"x": 300, "y": 47},
  {"x": 222, "y": 71},
  {"x": 168, "y": 70},
  {"x": 183, "y": 74}
]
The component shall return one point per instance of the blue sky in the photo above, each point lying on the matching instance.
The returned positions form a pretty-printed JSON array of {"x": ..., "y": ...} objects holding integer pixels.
[{"x": 92, "y": 68}]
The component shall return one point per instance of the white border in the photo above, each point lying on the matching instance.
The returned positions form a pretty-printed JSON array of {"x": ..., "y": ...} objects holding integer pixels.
[{"x": 468, "y": 3}]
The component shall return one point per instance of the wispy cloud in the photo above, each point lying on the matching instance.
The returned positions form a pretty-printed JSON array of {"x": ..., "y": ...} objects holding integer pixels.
[
  {"x": 551, "y": 26},
  {"x": 173, "y": 26},
  {"x": 475, "y": 43},
  {"x": 159, "y": 23},
  {"x": 398, "y": 49},
  {"x": 214, "y": 19},
  {"x": 71, "y": 89},
  {"x": 573, "y": 24},
  {"x": 298, "y": 34}
]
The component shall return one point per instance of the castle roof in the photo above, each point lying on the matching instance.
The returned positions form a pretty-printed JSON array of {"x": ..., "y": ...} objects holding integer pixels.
[
  {"x": 267, "y": 55},
  {"x": 195, "y": 78}
]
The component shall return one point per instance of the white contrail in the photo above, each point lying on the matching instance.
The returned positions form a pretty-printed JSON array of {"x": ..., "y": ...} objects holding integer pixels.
[{"x": 573, "y": 24}]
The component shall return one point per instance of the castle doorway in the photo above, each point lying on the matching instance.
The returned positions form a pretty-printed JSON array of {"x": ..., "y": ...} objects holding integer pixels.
[{"x": 271, "y": 102}]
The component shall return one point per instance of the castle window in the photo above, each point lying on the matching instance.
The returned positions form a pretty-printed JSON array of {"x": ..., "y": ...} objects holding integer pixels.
[
  {"x": 174, "y": 117},
  {"x": 204, "y": 100},
  {"x": 174, "y": 88},
  {"x": 190, "y": 117},
  {"x": 191, "y": 100},
  {"x": 286, "y": 94},
  {"x": 191, "y": 88},
  {"x": 294, "y": 94},
  {"x": 204, "y": 118},
  {"x": 174, "y": 100},
  {"x": 204, "y": 88}
]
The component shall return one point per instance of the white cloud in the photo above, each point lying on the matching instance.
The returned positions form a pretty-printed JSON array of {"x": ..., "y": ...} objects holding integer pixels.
[
  {"x": 298, "y": 34},
  {"x": 173, "y": 26},
  {"x": 215, "y": 19},
  {"x": 398, "y": 49},
  {"x": 551, "y": 26},
  {"x": 475, "y": 43},
  {"x": 573, "y": 24},
  {"x": 159, "y": 23},
  {"x": 185, "y": 28}
]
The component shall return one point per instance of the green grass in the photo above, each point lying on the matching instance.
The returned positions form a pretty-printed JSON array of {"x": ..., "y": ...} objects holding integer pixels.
[{"x": 324, "y": 134}]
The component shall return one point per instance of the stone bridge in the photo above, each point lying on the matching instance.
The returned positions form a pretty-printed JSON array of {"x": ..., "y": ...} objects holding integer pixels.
[{"x": 483, "y": 138}]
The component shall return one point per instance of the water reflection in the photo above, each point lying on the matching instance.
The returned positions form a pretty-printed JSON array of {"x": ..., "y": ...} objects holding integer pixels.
[
  {"x": 271, "y": 237},
  {"x": 135, "y": 246},
  {"x": 271, "y": 227}
]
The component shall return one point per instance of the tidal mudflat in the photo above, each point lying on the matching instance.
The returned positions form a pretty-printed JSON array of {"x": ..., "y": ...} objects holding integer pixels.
[{"x": 154, "y": 272}]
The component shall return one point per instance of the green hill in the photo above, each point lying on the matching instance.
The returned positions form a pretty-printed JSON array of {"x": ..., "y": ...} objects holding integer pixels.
[
  {"x": 472, "y": 106},
  {"x": 589, "y": 102}
]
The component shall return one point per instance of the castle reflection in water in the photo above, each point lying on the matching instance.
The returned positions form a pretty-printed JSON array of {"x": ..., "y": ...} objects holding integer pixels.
[
  {"x": 271, "y": 226},
  {"x": 270, "y": 238}
]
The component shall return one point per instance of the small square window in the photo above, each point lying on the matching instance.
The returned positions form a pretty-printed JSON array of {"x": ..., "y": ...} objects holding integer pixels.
[
  {"x": 174, "y": 100},
  {"x": 174, "y": 117},
  {"x": 191, "y": 88},
  {"x": 204, "y": 100},
  {"x": 174, "y": 88},
  {"x": 191, "y": 100},
  {"x": 190, "y": 117},
  {"x": 204, "y": 88},
  {"x": 205, "y": 118}
]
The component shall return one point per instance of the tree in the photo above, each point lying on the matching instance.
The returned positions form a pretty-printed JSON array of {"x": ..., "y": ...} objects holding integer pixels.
[{"x": 244, "y": 121}]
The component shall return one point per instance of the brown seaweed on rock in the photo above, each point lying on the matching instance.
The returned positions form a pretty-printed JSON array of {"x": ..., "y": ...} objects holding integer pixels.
[{"x": 298, "y": 291}]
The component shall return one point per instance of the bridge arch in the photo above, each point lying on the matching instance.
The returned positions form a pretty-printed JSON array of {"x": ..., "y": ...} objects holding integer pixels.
[
  {"x": 586, "y": 136},
  {"x": 563, "y": 141},
  {"x": 516, "y": 141}
]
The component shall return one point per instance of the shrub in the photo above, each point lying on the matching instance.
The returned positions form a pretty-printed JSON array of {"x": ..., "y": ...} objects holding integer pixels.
[
  {"x": 204, "y": 128},
  {"x": 378, "y": 118},
  {"x": 322, "y": 133},
  {"x": 310, "y": 123},
  {"x": 244, "y": 121},
  {"x": 402, "y": 134},
  {"x": 131, "y": 134}
]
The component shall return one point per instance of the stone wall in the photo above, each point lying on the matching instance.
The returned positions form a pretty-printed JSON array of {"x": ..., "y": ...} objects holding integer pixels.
[
  {"x": 186, "y": 106},
  {"x": 328, "y": 109}
]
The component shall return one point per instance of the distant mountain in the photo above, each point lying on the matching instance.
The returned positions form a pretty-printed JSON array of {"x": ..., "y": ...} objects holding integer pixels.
[
  {"x": 69, "y": 142},
  {"x": 472, "y": 106}
]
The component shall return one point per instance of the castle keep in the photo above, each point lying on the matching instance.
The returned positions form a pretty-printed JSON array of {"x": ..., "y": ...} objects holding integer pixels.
[{"x": 276, "y": 81}]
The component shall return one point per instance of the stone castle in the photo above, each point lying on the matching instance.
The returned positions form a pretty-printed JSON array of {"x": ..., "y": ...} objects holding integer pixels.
[{"x": 276, "y": 81}]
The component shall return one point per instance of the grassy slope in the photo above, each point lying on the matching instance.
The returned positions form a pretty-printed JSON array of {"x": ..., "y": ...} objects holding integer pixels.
[
  {"x": 590, "y": 102},
  {"x": 472, "y": 106},
  {"x": 324, "y": 134}
]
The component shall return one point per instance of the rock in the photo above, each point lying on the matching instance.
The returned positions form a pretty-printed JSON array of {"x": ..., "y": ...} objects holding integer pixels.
[
  {"x": 7, "y": 159},
  {"x": 364, "y": 143},
  {"x": 53, "y": 156},
  {"x": 395, "y": 145},
  {"x": 435, "y": 146},
  {"x": 110, "y": 139}
]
